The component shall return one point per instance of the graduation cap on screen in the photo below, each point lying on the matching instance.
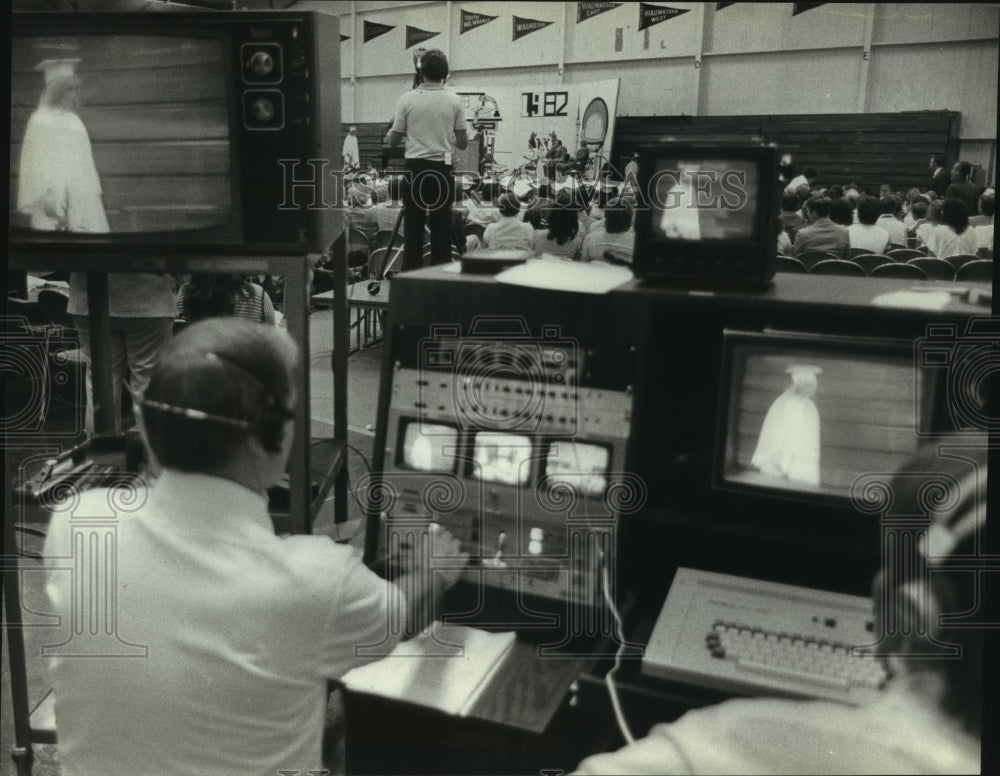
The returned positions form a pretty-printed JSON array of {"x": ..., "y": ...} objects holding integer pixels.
[
  {"x": 804, "y": 374},
  {"x": 58, "y": 68}
]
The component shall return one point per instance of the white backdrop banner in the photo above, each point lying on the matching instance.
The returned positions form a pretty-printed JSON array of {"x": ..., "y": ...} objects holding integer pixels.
[{"x": 573, "y": 113}]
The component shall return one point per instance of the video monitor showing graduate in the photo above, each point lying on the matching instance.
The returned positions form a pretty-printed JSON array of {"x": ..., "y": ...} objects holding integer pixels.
[
  {"x": 809, "y": 415},
  {"x": 706, "y": 199},
  {"x": 501, "y": 457},
  {"x": 583, "y": 466},
  {"x": 428, "y": 447},
  {"x": 119, "y": 133}
]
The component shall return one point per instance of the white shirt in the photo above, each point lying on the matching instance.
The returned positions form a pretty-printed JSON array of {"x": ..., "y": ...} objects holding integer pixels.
[
  {"x": 870, "y": 237},
  {"x": 351, "y": 154},
  {"x": 508, "y": 232},
  {"x": 429, "y": 117},
  {"x": 943, "y": 242},
  {"x": 241, "y": 630},
  {"x": 895, "y": 228},
  {"x": 897, "y": 734}
]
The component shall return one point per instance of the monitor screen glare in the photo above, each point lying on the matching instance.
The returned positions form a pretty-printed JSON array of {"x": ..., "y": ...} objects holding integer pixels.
[
  {"x": 704, "y": 199},
  {"x": 429, "y": 447},
  {"x": 502, "y": 458},
  {"x": 580, "y": 465}
]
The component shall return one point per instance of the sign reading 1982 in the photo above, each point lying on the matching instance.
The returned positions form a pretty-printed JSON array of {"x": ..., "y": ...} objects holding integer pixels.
[{"x": 544, "y": 103}]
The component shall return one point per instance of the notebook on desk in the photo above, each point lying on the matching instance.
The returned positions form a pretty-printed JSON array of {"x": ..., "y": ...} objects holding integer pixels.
[{"x": 446, "y": 667}]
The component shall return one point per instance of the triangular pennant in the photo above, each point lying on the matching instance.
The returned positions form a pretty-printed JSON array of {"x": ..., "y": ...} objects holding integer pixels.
[
  {"x": 374, "y": 29},
  {"x": 586, "y": 11},
  {"x": 415, "y": 35},
  {"x": 798, "y": 8},
  {"x": 654, "y": 14},
  {"x": 720, "y": 6},
  {"x": 472, "y": 20},
  {"x": 524, "y": 27},
  {"x": 344, "y": 37}
]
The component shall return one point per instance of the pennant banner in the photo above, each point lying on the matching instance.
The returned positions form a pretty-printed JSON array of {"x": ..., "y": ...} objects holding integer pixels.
[
  {"x": 720, "y": 6},
  {"x": 586, "y": 11},
  {"x": 472, "y": 20},
  {"x": 344, "y": 37},
  {"x": 415, "y": 35},
  {"x": 374, "y": 29},
  {"x": 524, "y": 27},
  {"x": 654, "y": 14},
  {"x": 798, "y": 8}
]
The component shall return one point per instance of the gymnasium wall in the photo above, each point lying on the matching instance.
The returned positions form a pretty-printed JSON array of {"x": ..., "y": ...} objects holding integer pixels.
[{"x": 743, "y": 59}]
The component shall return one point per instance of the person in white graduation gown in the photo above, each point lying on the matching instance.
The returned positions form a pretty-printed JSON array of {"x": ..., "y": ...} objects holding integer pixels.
[{"x": 788, "y": 445}]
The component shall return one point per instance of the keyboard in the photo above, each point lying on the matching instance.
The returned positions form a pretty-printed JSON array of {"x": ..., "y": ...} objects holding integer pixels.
[{"x": 750, "y": 637}]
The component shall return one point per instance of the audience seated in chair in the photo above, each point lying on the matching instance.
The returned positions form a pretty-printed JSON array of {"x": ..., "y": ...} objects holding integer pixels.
[
  {"x": 837, "y": 267},
  {"x": 841, "y": 212},
  {"x": 983, "y": 223},
  {"x": 617, "y": 235},
  {"x": 867, "y": 235},
  {"x": 934, "y": 268},
  {"x": 981, "y": 269},
  {"x": 952, "y": 236},
  {"x": 508, "y": 231},
  {"x": 891, "y": 209},
  {"x": 821, "y": 234},
  {"x": 563, "y": 237}
]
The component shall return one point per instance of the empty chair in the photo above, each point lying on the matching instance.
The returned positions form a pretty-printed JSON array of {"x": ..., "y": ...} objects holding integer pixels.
[
  {"x": 981, "y": 269},
  {"x": 384, "y": 236},
  {"x": 812, "y": 257},
  {"x": 384, "y": 260},
  {"x": 868, "y": 261},
  {"x": 788, "y": 264},
  {"x": 934, "y": 268},
  {"x": 904, "y": 254},
  {"x": 859, "y": 252},
  {"x": 897, "y": 270},
  {"x": 837, "y": 267},
  {"x": 961, "y": 259}
]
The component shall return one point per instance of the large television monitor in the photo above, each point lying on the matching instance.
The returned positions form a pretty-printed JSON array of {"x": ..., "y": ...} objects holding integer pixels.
[
  {"x": 804, "y": 415},
  {"x": 706, "y": 215},
  {"x": 160, "y": 132}
]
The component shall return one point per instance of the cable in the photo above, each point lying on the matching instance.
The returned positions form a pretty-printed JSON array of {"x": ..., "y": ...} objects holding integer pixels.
[{"x": 609, "y": 676}]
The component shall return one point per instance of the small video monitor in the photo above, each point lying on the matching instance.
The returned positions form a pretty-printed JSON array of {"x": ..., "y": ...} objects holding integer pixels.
[
  {"x": 427, "y": 447},
  {"x": 707, "y": 215},
  {"x": 805, "y": 415},
  {"x": 583, "y": 466},
  {"x": 502, "y": 458}
]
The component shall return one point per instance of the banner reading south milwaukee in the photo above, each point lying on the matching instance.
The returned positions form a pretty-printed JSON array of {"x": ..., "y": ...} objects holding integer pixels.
[
  {"x": 472, "y": 20},
  {"x": 654, "y": 14},
  {"x": 524, "y": 27}
]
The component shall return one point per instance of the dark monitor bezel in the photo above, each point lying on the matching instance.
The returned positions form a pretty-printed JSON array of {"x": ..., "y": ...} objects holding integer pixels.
[
  {"x": 746, "y": 263},
  {"x": 927, "y": 386}
]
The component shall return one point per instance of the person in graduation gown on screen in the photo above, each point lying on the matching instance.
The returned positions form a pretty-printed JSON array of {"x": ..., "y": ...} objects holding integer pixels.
[
  {"x": 788, "y": 445},
  {"x": 58, "y": 185},
  {"x": 679, "y": 220}
]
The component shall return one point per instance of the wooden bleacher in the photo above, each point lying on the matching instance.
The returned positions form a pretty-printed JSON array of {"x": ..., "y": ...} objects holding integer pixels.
[{"x": 867, "y": 148}]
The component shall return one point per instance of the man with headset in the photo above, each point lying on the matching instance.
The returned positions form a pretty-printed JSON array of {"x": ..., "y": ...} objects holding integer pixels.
[
  {"x": 240, "y": 628},
  {"x": 930, "y": 718}
]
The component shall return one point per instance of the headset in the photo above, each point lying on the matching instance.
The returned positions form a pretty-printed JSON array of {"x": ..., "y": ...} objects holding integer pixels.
[{"x": 268, "y": 426}]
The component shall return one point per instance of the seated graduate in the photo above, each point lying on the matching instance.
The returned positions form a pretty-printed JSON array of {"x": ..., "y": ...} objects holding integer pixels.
[
  {"x": 614, "y": 241},
  {"x": 563, "y": 238},
  {"x": 225, "y": 634},
  {"x": 510, "y": 231},
  {"x": 930, "y": 718}
]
